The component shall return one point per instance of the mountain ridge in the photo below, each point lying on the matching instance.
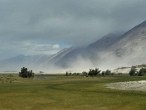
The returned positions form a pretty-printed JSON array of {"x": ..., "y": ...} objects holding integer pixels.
[{"x": 112, "y": 50}]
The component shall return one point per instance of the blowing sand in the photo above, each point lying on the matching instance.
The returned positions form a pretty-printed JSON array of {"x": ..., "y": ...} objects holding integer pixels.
[{"x": 131, "y": 85}]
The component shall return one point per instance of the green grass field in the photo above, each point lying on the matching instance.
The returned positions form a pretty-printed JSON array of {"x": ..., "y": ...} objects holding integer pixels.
[{"x": 68, "y": 93}]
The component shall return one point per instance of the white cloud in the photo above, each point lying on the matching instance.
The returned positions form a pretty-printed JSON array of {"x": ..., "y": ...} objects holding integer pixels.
[
  {"x": 56, "y": 46},
  {"x": 34, "y": 48}
]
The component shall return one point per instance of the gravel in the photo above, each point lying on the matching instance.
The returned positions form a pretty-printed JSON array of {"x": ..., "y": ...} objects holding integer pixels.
[{"x": 130, "y": 85}]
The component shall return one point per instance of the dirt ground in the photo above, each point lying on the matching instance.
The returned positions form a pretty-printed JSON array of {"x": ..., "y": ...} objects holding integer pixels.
[{"x": 131, "y": 85}]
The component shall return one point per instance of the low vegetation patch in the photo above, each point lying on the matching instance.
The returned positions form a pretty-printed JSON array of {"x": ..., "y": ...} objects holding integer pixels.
[{"x": 8, "y": 78}]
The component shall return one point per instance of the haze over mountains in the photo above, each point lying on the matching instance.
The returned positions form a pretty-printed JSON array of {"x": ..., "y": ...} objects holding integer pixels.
[{"x": 111, "y": 51}]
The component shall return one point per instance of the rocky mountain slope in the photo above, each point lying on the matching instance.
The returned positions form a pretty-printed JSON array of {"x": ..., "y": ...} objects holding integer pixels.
[
  {"x": 111, "y": 51},
  {"x": 132, "y": 47}
]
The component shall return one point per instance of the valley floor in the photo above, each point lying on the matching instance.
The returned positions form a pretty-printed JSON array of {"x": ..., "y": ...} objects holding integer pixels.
[{"x": 69, "y": 93}]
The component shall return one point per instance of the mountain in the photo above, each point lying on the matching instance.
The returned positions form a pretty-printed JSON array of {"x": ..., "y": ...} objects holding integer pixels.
[
  {"x": 15, "y": 63},
  {"x": 66, "y": 58},
  {"x": 132, "y": 46},
  {"x": 129, "y": 50},
  {"x": 134, "y": 37},
  {"x": 35, "y": 62},
  {"x": 111, "y": 51},
  {"x": 87, "y": 54},
  {"x": 105, "y": 42}
]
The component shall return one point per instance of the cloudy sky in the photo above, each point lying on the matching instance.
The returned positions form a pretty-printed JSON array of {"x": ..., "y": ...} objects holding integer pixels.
[{"x": 46, "y": 26}]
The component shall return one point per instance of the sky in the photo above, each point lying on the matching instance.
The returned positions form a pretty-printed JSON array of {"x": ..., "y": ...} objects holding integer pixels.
[{"x": 32, "y": 27}]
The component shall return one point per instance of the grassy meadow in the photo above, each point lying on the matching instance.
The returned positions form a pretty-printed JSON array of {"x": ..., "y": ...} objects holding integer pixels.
[{"x": 54, "y": 92}]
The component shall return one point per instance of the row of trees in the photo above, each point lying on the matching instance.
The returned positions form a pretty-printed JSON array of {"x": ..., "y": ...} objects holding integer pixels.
[
  {"x": 92, "y": 73},
  {"x": 97, "y": 72},
  {"x": 134, "y": 72},
  {"x": 72, "y": 74}
]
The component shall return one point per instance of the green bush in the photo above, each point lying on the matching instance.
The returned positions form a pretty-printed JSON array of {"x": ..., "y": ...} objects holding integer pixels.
[
  {"x": 108, "y": 72},
  {"x": 142, "y": 72},
  {"x": 25, "y": 73},
  {"x": 94, "y": 72},
  {"x": 132, "y": 72}
]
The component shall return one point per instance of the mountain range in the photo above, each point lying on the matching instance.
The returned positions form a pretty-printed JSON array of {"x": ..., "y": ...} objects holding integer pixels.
[{"x": 111, "y": 51}]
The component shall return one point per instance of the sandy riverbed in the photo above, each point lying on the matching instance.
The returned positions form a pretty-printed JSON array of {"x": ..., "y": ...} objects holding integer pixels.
[{"x": 131, "y": 85}]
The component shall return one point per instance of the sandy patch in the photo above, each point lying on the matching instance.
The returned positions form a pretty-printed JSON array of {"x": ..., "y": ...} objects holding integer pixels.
[{"x": 131, "y": 85}]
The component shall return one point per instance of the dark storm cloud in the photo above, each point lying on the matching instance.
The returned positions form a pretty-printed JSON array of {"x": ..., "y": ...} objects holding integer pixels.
[{"x": 67, "y": 22}]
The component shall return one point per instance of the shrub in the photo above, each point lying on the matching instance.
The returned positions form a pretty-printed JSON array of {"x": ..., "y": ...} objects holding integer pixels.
[
  {"x": 108, "y": 72},
  {"x": 132, "y": 72},
  {"x": 25, "y": 73},
  {"x": 84, "y": 73},
  {"x": 94, "y": 72},
  {"x": 103, "y": 73},
  {"x": 142, "y": 72}
]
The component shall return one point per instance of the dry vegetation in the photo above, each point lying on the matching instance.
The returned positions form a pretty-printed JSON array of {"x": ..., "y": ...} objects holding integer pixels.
[{"x": 8, "y": 78}]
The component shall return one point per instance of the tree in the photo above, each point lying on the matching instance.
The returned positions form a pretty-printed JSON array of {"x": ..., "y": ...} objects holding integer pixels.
[
  {"x": 108, "y": 72},
  {"x": 132, "y": 72},
  {"x": 142, "y": 72},
  {"x": 66, "y": 74},
  {"x": 25, "y": 73},
  {"x": 94, "y": 72},
  {"x": 103, "y": 73},
  {"x": 84, "y": 73},
  {"x": 90, "y": 72}
]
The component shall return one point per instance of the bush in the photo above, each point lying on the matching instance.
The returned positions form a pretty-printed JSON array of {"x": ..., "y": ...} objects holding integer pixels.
[
  {"x": 132, "y": 72},
  {"x": 142, "y": 72},
  {"x": 68, "y": 74},
  {"x": 94, "y": 72},
  {"x": 108, "y": 72},
  {"x": 103, "y": 73},
  {"x": 25, "y": 73},
  {"x": 84, "y": 73}
]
